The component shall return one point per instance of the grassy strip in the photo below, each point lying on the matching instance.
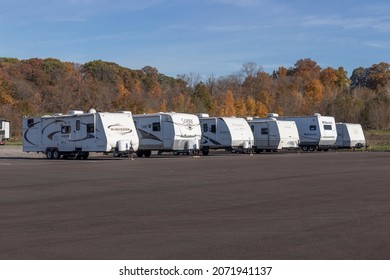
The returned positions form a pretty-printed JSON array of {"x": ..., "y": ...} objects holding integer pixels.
[{"x": 378, "y": 140}]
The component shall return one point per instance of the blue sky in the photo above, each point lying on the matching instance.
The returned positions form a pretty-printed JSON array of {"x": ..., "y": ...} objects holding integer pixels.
[{"x": 213, "y": 37}]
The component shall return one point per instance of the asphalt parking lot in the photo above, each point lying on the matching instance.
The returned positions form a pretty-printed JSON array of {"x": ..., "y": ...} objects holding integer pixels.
[{"x": 277, "y": 206}]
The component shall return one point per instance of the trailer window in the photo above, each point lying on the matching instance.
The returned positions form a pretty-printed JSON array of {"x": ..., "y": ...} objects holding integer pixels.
[
  {"x": 90, "y": 128},
  {"x": 313, "y": 127},
  {"x": 253, "y": 128},
  {"x": 328, "y": 127},
  {"x": 30, "y": 122},
  {"x": 77, "y": 125},
  {"x": 65, "y": 129},
  {"x": 213, "y": 128},
  {"x": 205, "y": 127},
  {"x": 156, "y": 126},
  {"x": 264, "y": 130}
]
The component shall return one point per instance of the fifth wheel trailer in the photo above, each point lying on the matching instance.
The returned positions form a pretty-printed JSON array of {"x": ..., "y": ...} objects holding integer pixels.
[
  {"x": 229, "y": 133},
  {"x": 4, "y": 131},
  {"x": 271, "y": 134},
  {"x": 315, "y": 132},
  {"x": 179, "y": 133},
  {"x": 350, "y": 136},
  {"x": 76, "y": 134}
]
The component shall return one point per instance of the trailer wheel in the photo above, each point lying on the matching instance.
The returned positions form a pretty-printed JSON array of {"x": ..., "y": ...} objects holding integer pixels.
[
  {"x": 140, "y": 153},
  {"x": 312, "y": 149},
  {"x": 56, "y": 154},
  {"x": 205, "y": 152},
  {"x": 49, "y": 154},
  {"x": 305, "y": 148},
  {"x": 148, "y": 153}
]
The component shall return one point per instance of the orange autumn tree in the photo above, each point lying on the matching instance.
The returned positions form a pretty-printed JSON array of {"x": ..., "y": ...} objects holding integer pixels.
[
  {"x": 314, "y": 91},
  {"x": 227, "y": 106}
]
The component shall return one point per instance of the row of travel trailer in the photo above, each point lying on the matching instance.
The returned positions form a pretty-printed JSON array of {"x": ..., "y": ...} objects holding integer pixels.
[{"x": 76, "y": 134}]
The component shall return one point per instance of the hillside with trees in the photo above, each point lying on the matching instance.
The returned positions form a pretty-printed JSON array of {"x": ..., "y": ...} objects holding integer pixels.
[{"x": 44, "y": 86}]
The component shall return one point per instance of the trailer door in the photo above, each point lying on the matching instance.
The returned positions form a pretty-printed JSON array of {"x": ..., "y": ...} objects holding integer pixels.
[
  {"x": 83, "y": 128},
  {"x": 167, "y": 131}
]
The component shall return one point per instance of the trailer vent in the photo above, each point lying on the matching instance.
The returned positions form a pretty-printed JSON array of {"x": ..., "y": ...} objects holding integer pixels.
[
  {"x": 125, "y": 112},
  {"x": 75, "y": 112}
]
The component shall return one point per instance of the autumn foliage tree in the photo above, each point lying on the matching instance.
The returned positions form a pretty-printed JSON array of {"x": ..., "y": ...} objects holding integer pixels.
[{"x": 44, "y": 86}]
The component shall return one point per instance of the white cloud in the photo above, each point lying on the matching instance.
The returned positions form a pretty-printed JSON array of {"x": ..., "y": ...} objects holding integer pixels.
[
  {"x": 377, "y": 23},
  {"x": 241, "y": 3},
  {"x": 378, "y": 44},
  {"x": 235, "y": 28}
]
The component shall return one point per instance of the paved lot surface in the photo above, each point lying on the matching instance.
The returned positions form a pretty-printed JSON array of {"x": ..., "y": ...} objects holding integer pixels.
[{"x": 223, "y": 206}]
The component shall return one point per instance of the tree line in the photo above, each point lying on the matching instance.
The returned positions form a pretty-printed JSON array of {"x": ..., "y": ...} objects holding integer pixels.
[{"x": 34, "y": 87}]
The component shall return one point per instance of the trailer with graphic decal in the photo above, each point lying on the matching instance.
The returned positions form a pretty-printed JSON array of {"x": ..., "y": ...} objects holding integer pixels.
[
  {"x": 178, "y": 133},
  {"x": 315, "y": 132},
  {"x": 229, "y": 133},
  {"x": 76, "y": 134}
]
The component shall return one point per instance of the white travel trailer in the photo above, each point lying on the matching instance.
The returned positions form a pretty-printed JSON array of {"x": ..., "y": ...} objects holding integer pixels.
[
  {"x": 315, "y": 132},
  {"x": 271, "y": 134},
  {"x": 350, "y": 136},
  {"x": 4, "y": 131},
  {"x": 168, "y": 132},
  {"x": 76, "y": 134},
  {"x": 229, "y": 133}
]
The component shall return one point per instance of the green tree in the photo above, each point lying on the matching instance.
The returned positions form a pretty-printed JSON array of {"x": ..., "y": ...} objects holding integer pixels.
[{"x": 202, "y": 98}]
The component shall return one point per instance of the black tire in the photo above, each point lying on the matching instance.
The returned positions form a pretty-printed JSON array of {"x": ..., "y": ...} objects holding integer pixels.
[
  {"x": 56, "y": 154},
  {"x": 140, "y": 153},
  {"x": 205, "y": 152},
  {"x": 148, "y": 153},
  {"x": 49, "y": 154}
]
